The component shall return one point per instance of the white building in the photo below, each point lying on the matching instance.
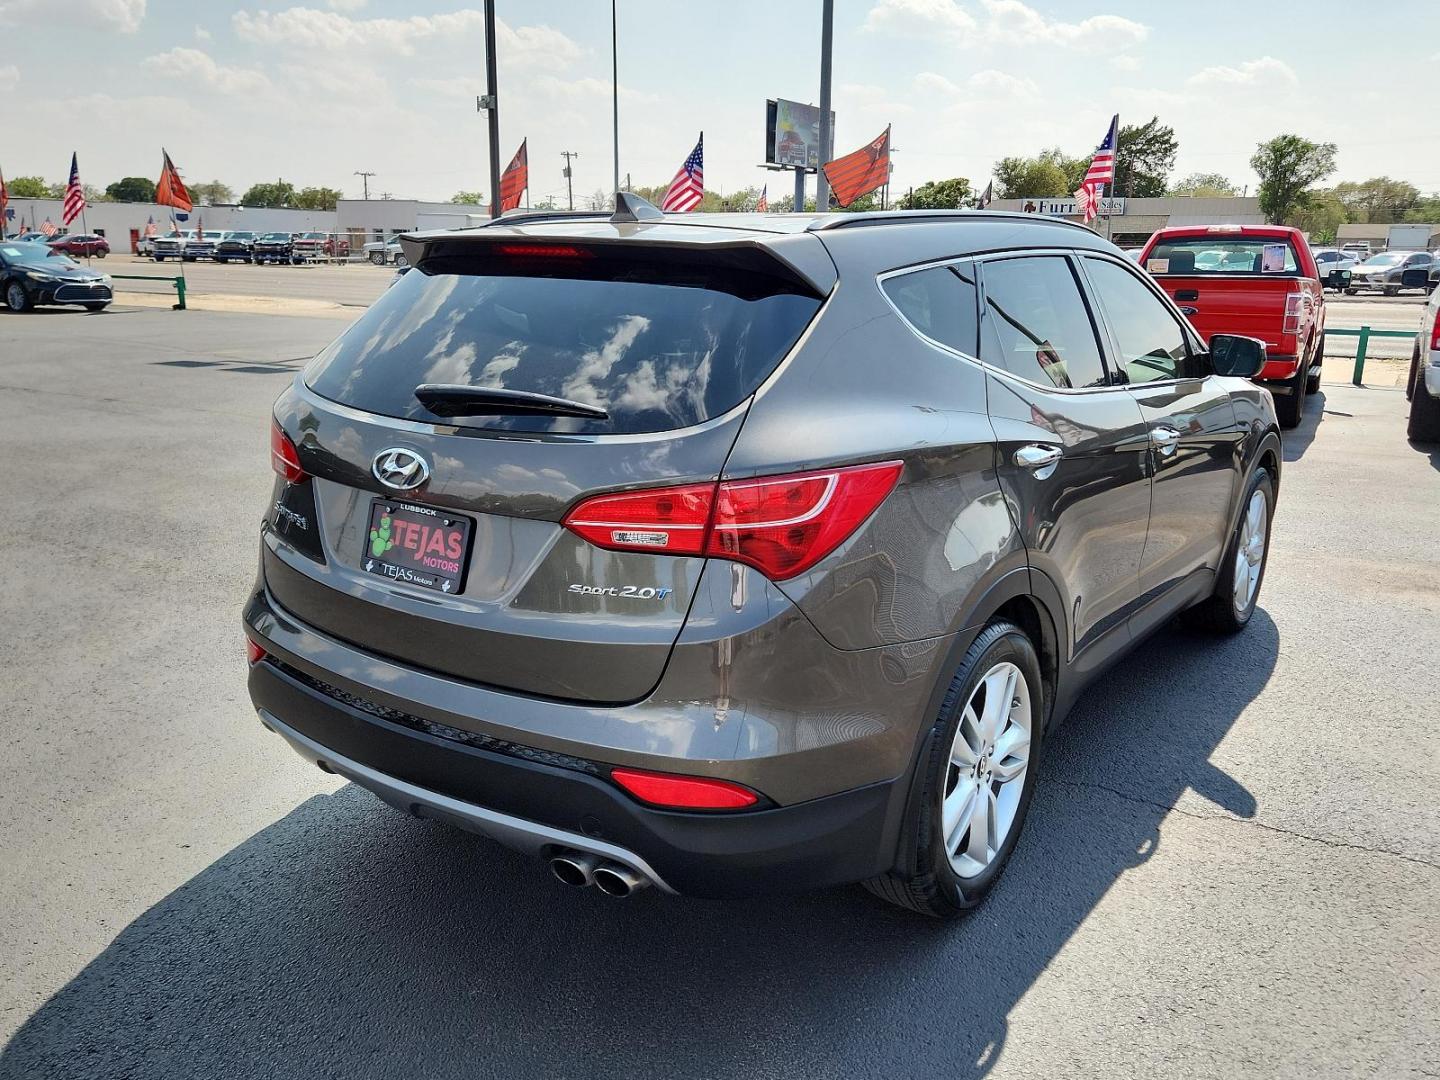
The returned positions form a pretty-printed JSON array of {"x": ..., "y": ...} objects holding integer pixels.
[
  {"x": 124, "y": 223},
  {"x": 375, "y": 219}
]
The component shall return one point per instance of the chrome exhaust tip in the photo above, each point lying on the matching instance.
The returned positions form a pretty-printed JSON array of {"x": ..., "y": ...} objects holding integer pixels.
[
  {"x": 615, "y": 880},
  {"x": 575, "y": 868}
]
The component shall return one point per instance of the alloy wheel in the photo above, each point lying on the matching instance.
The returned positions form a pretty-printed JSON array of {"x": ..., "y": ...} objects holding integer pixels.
[
  {"x": 986, "y": 776},
  {"x": 15, "y": 296},
  {"x": 1250, "y": 551}
]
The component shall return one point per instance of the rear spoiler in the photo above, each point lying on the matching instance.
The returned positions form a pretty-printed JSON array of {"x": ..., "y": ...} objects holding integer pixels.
[{"x": 795, "y": 257}]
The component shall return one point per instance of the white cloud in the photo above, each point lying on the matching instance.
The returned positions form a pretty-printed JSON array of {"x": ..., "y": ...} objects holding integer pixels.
[
  {"x": 1125, "y": 63},
  {"x": 309, "y": 28},
  {"x": 1002, "y": 84},
  {"x": 346, "y": 5},
  {"x": 9, "y": 76},
  {"x": 197, "y": 67},
  {"x": 122, "y": 15},
  {"x": 1004, "y": 22},
  {"x": 201, "y": 34},
  {"x": 1265, "y": 71}
]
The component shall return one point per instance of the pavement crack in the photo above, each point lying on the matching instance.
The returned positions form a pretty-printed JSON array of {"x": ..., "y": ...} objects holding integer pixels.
[{"x": 1171, "y": 808}]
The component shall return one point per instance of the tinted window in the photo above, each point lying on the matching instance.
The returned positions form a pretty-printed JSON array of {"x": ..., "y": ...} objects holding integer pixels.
[
  {"x": 1036, "y": 323},
  {"x": 1152, "y": 345},
  {"x": 657, "y": 347},
  {"x": 939, "y": 302}
]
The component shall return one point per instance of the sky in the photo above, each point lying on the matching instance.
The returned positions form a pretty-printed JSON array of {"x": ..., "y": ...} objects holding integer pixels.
[{"x": 311, "y": 94}]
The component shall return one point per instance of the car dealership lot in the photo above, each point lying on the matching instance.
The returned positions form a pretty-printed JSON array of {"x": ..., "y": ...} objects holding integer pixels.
[{"x": 1232, "y": 864}]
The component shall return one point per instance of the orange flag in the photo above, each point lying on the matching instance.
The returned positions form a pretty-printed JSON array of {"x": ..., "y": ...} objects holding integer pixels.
[
  {"x": 170, "y": 190},
  {"x": 861, "y": 172},
  {"x": 515, "y": 179}
]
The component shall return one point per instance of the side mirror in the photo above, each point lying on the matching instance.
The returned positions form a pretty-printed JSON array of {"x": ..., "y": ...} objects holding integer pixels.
[
  {"x": 1338, "y": 279},
  {"x": 1236, "y": 356},
  {"x": 1416, "y": 278}
]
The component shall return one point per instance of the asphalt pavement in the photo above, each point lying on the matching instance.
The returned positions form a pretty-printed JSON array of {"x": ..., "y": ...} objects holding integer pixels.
[{"x": 1231, "y": 867}]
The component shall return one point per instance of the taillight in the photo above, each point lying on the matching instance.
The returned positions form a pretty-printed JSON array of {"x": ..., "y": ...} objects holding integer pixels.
[
  {"x": 684, "y": 792},
  {"x": 543, "y": 251},
  {"x": 1294, "y": 304},
  {"x": 1435, "y": 333},
  {"x": 254, "y": 653},
  {"x": 283, "y": 457},
  {"x": 781, "y": 525}
]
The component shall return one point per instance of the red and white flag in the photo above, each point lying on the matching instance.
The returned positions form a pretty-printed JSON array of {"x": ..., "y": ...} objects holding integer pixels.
[
  {"x": 170, "y": 190},
  {"x": 861, "y": 172},
  {"x": 4, "y": 201},
  {"x": 515, "y": 179},
  {"x": 1100, "y": 173},
  {"x": 763, "y": 206},
  {"x": 74, "y": 203},
  {"x": 150, "y": 228},
  {"x": 688, "y": 188},
  {"x": 47, "y": 227}
]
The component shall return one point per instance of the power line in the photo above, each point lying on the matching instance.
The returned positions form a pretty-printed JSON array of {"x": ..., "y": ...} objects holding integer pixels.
[{"x": 569, "y": 187}]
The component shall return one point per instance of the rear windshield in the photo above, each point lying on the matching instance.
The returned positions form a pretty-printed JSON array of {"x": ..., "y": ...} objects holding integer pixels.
[
  {"x": 657, "y": 347},
  {"x": 1202, "y": 255}
]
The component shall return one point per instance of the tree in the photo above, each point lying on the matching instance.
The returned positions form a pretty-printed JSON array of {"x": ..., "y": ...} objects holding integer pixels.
[
  {"x": 1052, "y": 173},
  {"x": 1427, "y": 210},
  {"x": 1144, "y": 156},
  {"x": 280, "y": 193},
  {"x": 1206, "y": 185},
  {"x": 468, "y": 198},
  {"x": 1287, "y": 166},
  {"x": 132, "y": 189},
  {"x": 213, "y": 193},
  {"x": 28, "y": 187},
  {"x": 1321, "y": 216},
  {"x": 92, "y": 194},
  {"x": 315, "y": 198},
  {"x": 1378, "y": 200},
  {"x": 937, "y": 195}
]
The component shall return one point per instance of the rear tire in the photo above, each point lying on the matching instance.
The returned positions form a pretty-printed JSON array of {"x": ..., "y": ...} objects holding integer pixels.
[
  {"x": 947, "y": 881},
  {"x": 1424, "y": 425},
  {"x": 1223, "y": 612},
  {"x": 1317, "y": 358},
  {"x": 1290, "y": 408},
  {"x": 1414, "y": 373}
]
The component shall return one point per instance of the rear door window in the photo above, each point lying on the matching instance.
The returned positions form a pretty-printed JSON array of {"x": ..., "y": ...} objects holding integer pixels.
[
  {"x": 1036, "y": 324},
  {"x": 659, "y": 347},
  {"x": 940, "y": 302}
]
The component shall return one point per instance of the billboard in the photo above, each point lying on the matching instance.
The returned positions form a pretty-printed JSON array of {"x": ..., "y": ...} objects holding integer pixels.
[{"x": 792, "y": 134}]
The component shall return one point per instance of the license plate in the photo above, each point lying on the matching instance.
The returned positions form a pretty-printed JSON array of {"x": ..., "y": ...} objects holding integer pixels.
[{"x": 417, "y": 545}]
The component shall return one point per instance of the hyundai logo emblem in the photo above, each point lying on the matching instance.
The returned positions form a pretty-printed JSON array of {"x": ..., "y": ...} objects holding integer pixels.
[{"x": 400, "y": 469}]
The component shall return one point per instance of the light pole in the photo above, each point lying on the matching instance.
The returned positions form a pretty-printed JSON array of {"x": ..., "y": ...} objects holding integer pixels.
[
  {"x": 490, "y": 102},
  {"x": 827, "y": 43},
  {"x": 615, "y": 95}
]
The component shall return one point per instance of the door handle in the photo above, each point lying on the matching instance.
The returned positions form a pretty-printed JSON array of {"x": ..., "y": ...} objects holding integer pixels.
[
  {"x": 1166, "y": 439},
  {"x": 1039, "y": 459}
]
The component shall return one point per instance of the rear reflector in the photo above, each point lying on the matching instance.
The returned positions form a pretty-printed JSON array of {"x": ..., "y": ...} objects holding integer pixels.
[
  {"x": 684, "y": 792},
  {"x": 254, "y": 652},
  {"x": 781, "y": 525},
  {"x": 283, "y": 457}
]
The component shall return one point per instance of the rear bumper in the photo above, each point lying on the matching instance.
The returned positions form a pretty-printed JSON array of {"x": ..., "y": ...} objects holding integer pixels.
[
  {"x": 1277, "y": 369},
  {"x": 543, "y": 808}
]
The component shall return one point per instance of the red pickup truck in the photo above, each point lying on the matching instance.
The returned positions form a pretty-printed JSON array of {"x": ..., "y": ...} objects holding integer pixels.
[{"x": 1257, "y": 280}]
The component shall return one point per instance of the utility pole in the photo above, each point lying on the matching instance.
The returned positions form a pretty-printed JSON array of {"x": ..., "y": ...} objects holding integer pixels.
[
  {"x": 365, "y": 179},
  {"x": 615, "y": 94},
  {"x": 569, "y": 187},
  {"x": 491, "y": 105},
  {"x": 827, "y": 42}
]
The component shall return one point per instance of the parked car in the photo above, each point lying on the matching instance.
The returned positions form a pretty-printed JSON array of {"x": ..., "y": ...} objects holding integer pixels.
[
  {"x": 201, "y": 245},
  {"x": 1262, "y": 283},
  {"x": 81, "y": 244},
  {"x": 650, "y": 552},
  {"x": 238, "y": 246},
  {"x": 381, "y": 252},
  {"x": 314, "y": 245},
  {"x": 1329, "y": 260},
  {"x": 1424, "y": 384},
  {"x": 33, "y": 274},
  {"x": 274, "y": 247},
  {"x": 1386, "y": 271},
  {"x": 172, "y": 245}
]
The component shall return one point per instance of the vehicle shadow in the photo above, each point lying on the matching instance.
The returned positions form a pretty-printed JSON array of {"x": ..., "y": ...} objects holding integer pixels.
[
  {"x": 1295, "y": 441},
  {"x": 344, "y": 940}
]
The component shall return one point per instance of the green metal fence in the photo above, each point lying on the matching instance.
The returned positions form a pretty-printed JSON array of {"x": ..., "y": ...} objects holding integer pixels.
[
  {"x": 178, "y": 282},
  {"x": 1365, "y": 333}
]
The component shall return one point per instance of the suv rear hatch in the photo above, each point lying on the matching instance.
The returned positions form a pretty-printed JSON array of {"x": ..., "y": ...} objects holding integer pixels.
[
  {"x": 470, "y": 573},
  {"x": 1231, "y": 283}
]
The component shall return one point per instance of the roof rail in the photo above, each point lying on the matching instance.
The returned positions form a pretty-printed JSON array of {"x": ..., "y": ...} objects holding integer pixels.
[
  {"x": 913, "y": 217},
  {"x": 527, "y": 216}
]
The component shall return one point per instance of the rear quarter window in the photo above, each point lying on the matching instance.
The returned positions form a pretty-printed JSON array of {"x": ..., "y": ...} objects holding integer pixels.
[{"x": 658, "y": 348}]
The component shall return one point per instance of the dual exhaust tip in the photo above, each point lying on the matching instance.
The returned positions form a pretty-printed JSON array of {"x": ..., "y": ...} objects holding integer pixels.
[{"x": 580, "y": 870}]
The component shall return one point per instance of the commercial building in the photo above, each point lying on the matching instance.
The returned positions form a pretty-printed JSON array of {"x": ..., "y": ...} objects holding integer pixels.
[
  {"x": 1377, "y": 236},
  {"x": 1129, "y": 222},
  {"x": 124, "y": 223},
  {"x": 376, "y": 219}
]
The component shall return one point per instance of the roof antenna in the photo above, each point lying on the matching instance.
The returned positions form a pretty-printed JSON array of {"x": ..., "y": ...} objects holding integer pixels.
[{"x": 631, "y": 207}]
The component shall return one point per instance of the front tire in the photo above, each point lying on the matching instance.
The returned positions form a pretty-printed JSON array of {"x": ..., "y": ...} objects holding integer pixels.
[
  {"x": 377, "y": 258},
  {"x": 16, "y": 298},
  {"x": 978, "y": 778},
  {"x": 97, "y": 306},
  {"x": 1242, "y": 570},
  {"x": 1391, "y": 290}
]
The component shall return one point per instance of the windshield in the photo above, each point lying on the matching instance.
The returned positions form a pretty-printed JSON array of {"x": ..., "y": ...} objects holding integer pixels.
[
  {"x": 1190, "y": 255},
  {"x": 240, "y": 236},
  {"x": 658, "y": 349},
  {"x": 31, "y": 255},
  {"x": 1386, "y": 258}
]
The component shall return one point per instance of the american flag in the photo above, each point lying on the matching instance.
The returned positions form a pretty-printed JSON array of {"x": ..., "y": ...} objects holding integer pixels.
[
  {"x": 1100, "y": 173},
  {"x": 47, "y": 227},
  {"x": 150, "y": 229},
  {"x": 763, "y": 206},
  {"x": 688, "y": 187},
  {"x": 74, "y": 193}
]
